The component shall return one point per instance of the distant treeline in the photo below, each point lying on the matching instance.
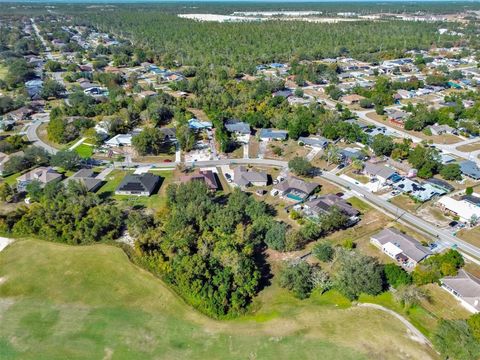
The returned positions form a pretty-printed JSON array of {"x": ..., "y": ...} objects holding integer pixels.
[
  {"x": 243, "y": 45},
  {"x": 328, "y": 8}
]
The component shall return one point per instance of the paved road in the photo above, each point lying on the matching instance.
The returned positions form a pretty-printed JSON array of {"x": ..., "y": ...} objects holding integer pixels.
[
  {"x": 33, "y": 137},
  {"x": 448, "y": 148},
  {"x": 48, "y": 54},
  {"x": 441, "y": 236}
]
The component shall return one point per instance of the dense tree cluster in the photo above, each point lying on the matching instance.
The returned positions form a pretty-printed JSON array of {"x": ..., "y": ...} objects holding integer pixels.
[
  {"x": 68, "y": 214},
  {"x": 209, "y": 250}
]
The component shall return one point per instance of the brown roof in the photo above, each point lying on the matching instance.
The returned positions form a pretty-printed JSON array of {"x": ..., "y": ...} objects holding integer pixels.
[
  {"x": 207, "y": 176},
  {"x": 42, "y": 174}
]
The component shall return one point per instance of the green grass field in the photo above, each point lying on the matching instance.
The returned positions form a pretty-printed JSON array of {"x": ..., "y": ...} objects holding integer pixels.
[
  {"x": 63, "y": 302},
  {"x": 85, "y": 151}
]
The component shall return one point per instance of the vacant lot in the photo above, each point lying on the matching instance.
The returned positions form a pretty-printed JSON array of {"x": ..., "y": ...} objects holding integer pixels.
[
  {"x": 470, "y": 147},
  {"x": 85, "y": 151},
  {"x": 90, "y": 302},
  {"x": 471, "y": 235}
]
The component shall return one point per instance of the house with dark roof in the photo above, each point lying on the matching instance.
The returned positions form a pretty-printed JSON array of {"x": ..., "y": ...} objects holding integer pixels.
[
  {"x": 316, "y": 142},
  {"x": 325, "y": 203},
  {"x": 350, "y": 154},
  {"x": 465, "y": 287},
  {"x": 407, "y": 251},
  {"x": 295, "y": 189},
  {"x": 86, "y": 177},
  {"x": 237, "y": 127},
  {"x": 243, "y": 177},
  {"x": 138, "y": 184},
  {"x": 207, "y": 176},
  {"x": 469, "y": 168},
  {"x": 472, "y": 199},
  {"x": 271, "y": 134}
]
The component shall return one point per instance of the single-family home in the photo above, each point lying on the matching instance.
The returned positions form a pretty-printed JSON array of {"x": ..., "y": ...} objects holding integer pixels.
[
  {"x": 465, "y": 287},
  {"x": 282, "y": 93},
  {"x": 469, "y": 168},
  {"x": 467, "y": 212},
  {"x": 293, "y": 188},
  {"x": 397, "y": 116},
  {"x": 271, "y": 134},
  {"x": 207, "y": 176},
  {"x": 170, "y": 134},
  {"x": 43, "y": 175},
  {"x": 86, "y": 177},
  {"x": 380, "y": 172},
  {"x": 350, "y": 154},
  {"x": 352, "y": 99},
  {"x": 243, "y": 177},
  {"x": 407, "y": 251},
  {"x": 316, "y": 142},
  {"x": 138, "y": 184},
  {"x": 196, "y": 124},
  {"x": 442, "y": 185},
  {"x": 240, "y": 129},
  {"x": 441, "y": 129},
  {"x": 325, "y": 203},
  {"x": 120, "y": 140}
]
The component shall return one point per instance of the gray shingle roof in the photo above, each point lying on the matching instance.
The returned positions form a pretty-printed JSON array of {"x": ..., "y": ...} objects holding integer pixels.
[
  {"x": 470, "y": 169},
  {"x": 410, "y": 247}
]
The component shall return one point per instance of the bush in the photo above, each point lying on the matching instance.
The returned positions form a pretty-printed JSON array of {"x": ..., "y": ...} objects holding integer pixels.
[
  {"x": 396, "y": 276},
  {"x": 454, "y": 340},
  {"x": 298, "y": 278},
  {"x": 276, "y": 236},
  {"x": 323, "y": 252}
]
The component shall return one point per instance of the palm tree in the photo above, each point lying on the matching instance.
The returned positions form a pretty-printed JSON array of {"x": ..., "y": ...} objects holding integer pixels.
[{"x": 332, "y": 154}]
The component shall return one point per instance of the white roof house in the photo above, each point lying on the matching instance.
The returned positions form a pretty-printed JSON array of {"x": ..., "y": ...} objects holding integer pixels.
[
  {"x": 120, "y": 140},
  {"x": 465, "y": 210}
]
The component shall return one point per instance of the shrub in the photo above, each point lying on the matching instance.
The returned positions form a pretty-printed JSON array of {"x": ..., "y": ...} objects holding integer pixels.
[{"x": 323, "y": 252}]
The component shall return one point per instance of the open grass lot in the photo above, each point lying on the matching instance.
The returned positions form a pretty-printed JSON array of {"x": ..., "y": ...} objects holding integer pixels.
[
  {"x": 290, "y": 149},
  {"x": 470, "y": 147},
  {"x": 84, "y": 151},
  {"x": 405, "y": 202},
  {"x": 3, "y": 71},
  {"x": 59, "y": 302},
  {"x": 470, "y": 235}
]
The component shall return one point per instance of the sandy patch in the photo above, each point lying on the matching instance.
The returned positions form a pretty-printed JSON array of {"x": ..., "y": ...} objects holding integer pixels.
[{"x": 4, "y": 242}]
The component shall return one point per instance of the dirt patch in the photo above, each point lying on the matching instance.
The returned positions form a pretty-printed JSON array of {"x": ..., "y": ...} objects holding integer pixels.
[{"x": 470, "y": 147}]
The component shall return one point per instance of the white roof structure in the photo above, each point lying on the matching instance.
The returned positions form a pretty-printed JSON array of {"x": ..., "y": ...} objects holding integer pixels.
[
  {"x": 120, "y": 140},
  {"x": 392, "y": 249},
  {"x": 464, "y": 209}
]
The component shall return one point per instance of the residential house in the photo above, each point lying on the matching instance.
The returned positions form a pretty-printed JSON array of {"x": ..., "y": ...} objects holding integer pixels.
[
  {"x": 120, "y": 140},
  {"x": 324, "y": 204},
  {"x": 20, "y": 114},
  {"x": 207, "y": 176},
  {"x": 293, "y": 188},
  {"x": 240, "y": 129},
  {"x": 467, "y": 212},
  {"x": 243, "y": 178},
  {"x": 352, "y": 99},
  {"x": 170, "y": 134},
  {"x": 316, "y": 142},
  {"x": 380, "y": 172},
  {"x": 397, "y": 116},
  {"x": 465, "y": 287},
  {"x": 440, "y": 184},
  {"x": 138, "y": 184},
  {"x": 88, "y": 178},
  {"x": 197, "y": 125},
  {"x": 282, "y": 93},
  {"x": 407, "y": 251},
  {"x": 469, "y": 168},
  {"x": 43, "y": 175},
  {"x": 421, "y": 192},
  {"x": 349, "y": 154},
  {"x": 271, "y": 134},
  {"x": 441, "y": 129}
]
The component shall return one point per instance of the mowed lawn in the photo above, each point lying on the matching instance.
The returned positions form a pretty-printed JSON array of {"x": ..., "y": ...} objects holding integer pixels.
[
  {"x": 90, "y": 302},
  {"x": 84, "y": 151}
]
